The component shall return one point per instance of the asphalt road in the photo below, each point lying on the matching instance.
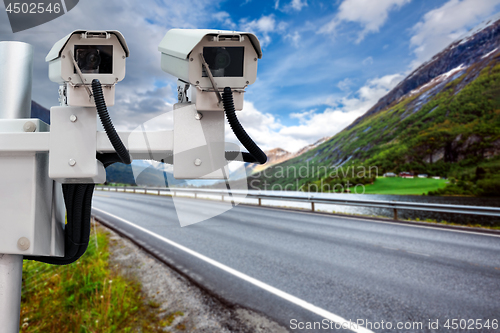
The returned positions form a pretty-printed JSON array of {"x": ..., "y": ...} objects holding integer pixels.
[{"x": 298, "y": 267}]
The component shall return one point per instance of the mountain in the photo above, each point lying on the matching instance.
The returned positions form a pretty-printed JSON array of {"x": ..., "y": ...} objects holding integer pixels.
[
  {"x": 148, "y": 175},
  {"x": 442, "y": 120},
  {"x": 279, "y": 155}
]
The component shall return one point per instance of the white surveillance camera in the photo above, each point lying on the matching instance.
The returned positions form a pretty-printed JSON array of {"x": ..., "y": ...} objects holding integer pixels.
[
  {"x": 231, "y": 56},
  {"x": 82, "y": 56}
]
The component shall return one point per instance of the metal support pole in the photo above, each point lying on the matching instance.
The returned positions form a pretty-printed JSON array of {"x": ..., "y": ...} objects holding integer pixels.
[
  {"x": 158, "y": 192},
  {"x": 195, "y": 195},
  {"x": 16, "y": 75},
  {"x": 312, "y": 206},
  {"x": 260, "y": 202},
  {"x": 222, "y": 197},
  {"x": 11, "y": 276},
  {"x": 395, "y": 214}
]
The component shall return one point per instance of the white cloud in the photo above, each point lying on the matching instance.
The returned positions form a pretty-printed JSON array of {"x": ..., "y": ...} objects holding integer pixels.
[
  {"x": 225, "y": 19},
  {"x": 303, "y": 117},
  {"x": 345, "y": 84},
  {"x": 294, "y": 5},
  {"x": 270, "y": 133},
  {"x": 298, "y": 4},
  {"x": 370, "y": 14},
  {"x": 294, "y": 38},
  {"x": 264, "y": 24},
  {"x": 146, "y": 90},
  {"x": 261, "y": 27},
  {"x": 441, "y": 26},
  {"x": 368, "y": 61}
]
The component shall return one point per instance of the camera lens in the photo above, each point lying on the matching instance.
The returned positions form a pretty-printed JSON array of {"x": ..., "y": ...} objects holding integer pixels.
[
  {"x": 226, "y": 61},
  {"x": 222, "y": 59},
  {"x": 92, "y": 60}
]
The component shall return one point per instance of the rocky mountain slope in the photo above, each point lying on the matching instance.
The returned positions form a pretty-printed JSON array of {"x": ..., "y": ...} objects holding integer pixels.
[
  {"x": 443, "y": 119},
  {"x": 279, "y": 155}
]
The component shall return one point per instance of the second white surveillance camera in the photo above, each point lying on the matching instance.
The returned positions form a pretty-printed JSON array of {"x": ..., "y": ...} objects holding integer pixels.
[
  {"x": 232, "y": 57},
  {"x": 82, "y": 56}
]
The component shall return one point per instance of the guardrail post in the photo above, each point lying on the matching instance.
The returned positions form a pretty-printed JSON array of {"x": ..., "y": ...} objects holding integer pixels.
[
  {"x": 395, "y": 214},
  {"x": 260, "y": 202},
  {"x": 134, "y": 189},
  {"x": 116, "y": 188},
  {"x": 195, "y": 195},
  {"x": 158, "y": 192},
  {"x": 312, "y": 206},
  {"x": 223, "y": 197},
  {"x": 125, "y": 189}
]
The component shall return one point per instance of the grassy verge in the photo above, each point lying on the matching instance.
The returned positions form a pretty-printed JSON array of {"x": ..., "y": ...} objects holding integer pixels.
[
  {"x": 404, "y": 186},
  {"x": 86, "y": 296}
]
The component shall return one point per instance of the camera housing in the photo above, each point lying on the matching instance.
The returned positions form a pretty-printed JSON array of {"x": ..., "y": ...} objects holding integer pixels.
[
  {"x": 232, "y": 57},
  {"x": 99, "y": 55}
]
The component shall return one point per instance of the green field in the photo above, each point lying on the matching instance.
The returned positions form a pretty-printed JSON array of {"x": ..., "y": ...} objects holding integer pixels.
[{"x": 404, "y": 186}]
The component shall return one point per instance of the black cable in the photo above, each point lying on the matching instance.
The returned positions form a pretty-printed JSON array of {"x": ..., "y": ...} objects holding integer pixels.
[
  {"x": 255, "y": 152},
  {"x": 102, "y": 110},
  {"x": 78, "y": 200},
  {"x": 78, "y": 197}
]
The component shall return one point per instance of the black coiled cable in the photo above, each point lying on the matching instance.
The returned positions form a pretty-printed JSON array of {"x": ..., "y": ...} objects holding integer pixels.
[
  {"x": 78, "y": 197},
  {"x": 256, "y": 153},
  {"x": 78, "y": 200},
  {"x": 102, "y": 111}
]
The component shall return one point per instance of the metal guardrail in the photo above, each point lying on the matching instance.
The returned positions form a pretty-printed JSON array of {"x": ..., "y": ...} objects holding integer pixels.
[{"x": 394, "y": 205}]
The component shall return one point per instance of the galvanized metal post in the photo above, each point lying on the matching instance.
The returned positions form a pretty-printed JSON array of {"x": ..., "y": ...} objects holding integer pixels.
[
  {"x": 11, "y": 276},
  {"x": 16, "y": 75}
]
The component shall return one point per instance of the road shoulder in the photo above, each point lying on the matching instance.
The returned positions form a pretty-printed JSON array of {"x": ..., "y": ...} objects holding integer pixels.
[{"x": 195, "y": 310}]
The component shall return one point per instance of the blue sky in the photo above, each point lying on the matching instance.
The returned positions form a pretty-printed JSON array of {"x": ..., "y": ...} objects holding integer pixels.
[{"x": 325, "y": 63}]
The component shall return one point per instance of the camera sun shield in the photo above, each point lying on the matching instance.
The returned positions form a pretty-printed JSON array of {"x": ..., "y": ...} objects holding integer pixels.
[
  {"x": 232, "y": 57},
  {"x": 99, "y": 55}
]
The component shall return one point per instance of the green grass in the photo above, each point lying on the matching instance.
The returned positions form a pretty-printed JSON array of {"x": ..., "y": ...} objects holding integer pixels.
[
  {"x": 404, "y": 186},
  {"x": 86, "y": 296}
]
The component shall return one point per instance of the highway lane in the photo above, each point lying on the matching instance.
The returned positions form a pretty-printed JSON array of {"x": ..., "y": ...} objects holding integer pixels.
[{"x": 351, "y": 267}]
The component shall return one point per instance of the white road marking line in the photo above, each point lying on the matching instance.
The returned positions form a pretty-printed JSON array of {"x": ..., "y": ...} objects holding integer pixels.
[
  {"x": 297, "y": 301},
  {"x": 390, "y": 248}
]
